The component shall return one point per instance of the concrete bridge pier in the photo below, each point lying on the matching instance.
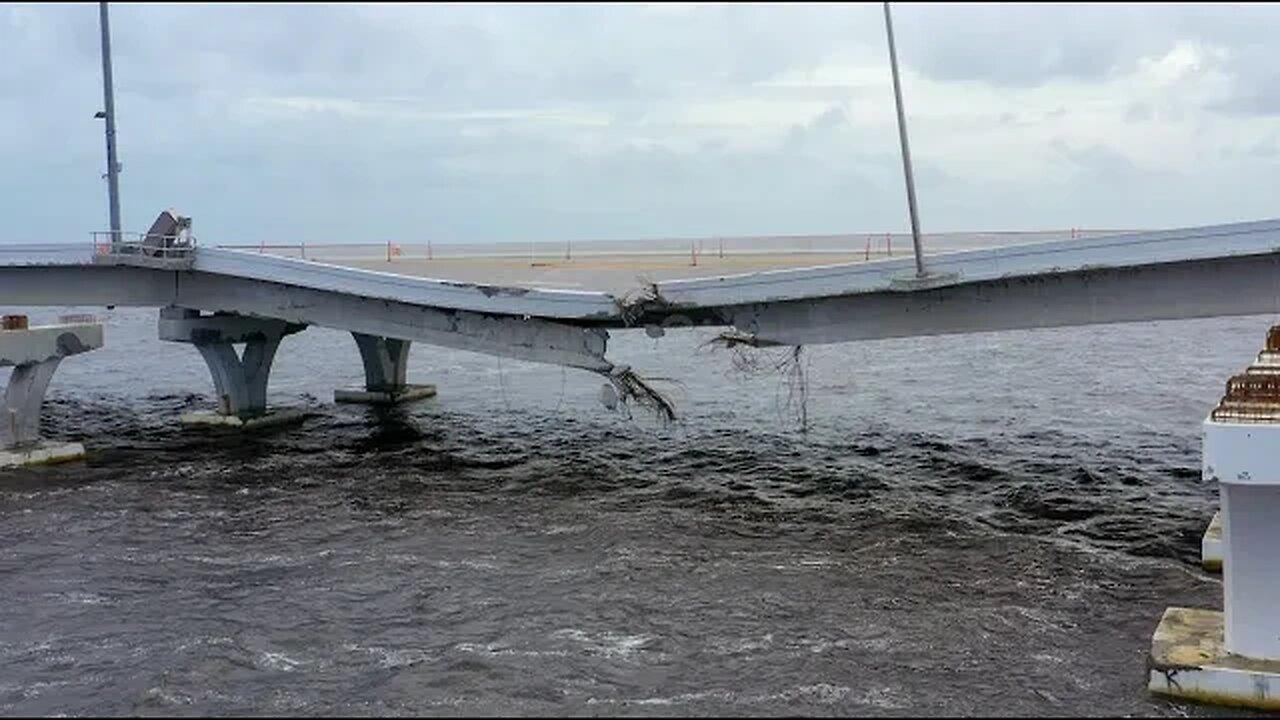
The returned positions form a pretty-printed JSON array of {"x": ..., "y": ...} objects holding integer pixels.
[
  {"x": 1233, "y": 657},
  {"x": 239, "y": 379},
  {"x": 385, "y": 361},
  {"x": 35, "y": 353}
]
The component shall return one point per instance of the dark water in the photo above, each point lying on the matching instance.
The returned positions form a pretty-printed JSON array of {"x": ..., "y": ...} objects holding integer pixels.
[{"x": 984, "y": 524}]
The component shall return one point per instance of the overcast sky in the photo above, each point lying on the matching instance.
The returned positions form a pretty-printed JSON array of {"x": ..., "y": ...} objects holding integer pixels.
[{"x": 514, "y": 122}]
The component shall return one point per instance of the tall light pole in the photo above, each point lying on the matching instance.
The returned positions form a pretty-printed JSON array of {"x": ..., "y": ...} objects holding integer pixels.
[
  {"x": 109, "y": 114},
  {"x": 906, "y": 148}
]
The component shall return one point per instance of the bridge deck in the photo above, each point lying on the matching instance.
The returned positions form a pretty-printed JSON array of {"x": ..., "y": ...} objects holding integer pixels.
[
  {"x": 515, "y": 287},
  {"x": 616, "y": 275}
]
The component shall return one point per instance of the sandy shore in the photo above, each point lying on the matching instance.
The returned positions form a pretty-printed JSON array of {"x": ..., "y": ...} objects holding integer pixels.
[
  {"x": 614, "y": 273},
  {"x": 622, "y": 266}
]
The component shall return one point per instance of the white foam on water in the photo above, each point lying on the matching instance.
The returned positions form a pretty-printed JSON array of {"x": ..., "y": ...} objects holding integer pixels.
[
  {"x": 389, "y": 658},
  {"x": 607, "y": 644},
  {"x": 79, "y": 598},
  {"x": 495, "y": 649},
  {"x": 278, "y": 661}
]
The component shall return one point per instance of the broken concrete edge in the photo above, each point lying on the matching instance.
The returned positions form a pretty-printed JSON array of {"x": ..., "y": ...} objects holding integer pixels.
[
  {"x": 634, "y": 303},
  {"x": 38, "y": 343},
  {"x": 1188, "y": 661},
  {"x": 43, "y": 453},
  {"x": 410, "y": 393},
  {"x": 270, "y": 419}
]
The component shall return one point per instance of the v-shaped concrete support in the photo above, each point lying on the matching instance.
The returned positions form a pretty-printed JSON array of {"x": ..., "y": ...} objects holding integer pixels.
[
  {"x": 239, "y": 379},
  {"x": 20, "y": 423},
  {"x": 386, "y": 361}
]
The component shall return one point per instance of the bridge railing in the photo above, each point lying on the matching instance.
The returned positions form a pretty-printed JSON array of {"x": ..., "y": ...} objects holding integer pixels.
[
  {"x": 107, "y": 243},
  {"x": 166, "y": 252},
  {"x": 833, "y": 248}
]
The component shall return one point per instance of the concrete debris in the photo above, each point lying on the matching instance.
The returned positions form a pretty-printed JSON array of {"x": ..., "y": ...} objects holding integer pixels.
[{"x": 635, "y": 303}]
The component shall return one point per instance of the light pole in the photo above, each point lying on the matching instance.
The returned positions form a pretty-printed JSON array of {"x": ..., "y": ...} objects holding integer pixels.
[
  {"x": 906, "y": 148},
  {"x": 109, "y": 114}
]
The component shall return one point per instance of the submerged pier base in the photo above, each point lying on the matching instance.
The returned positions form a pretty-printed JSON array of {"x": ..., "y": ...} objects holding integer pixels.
[
  {"x": 35, "y": 353},
  {"x": 386, "y": 362},
  {"x": 1189, "y": 660},
  {"x": 239, "y": 379},
  {"x": 1233, "y": 657}
]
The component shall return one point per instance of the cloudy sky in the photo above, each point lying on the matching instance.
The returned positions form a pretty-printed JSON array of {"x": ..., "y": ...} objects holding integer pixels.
[{"x": 515, "y": 122}]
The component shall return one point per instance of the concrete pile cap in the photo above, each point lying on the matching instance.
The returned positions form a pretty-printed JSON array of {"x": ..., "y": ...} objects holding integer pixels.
[{"x": 1254, "y": 395}]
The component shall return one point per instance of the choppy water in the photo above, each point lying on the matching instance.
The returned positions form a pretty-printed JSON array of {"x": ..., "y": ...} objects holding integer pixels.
[{"x": 983, "y": 524}]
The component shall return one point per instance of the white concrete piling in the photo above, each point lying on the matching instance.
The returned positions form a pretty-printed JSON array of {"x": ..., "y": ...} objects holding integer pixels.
[{"x": 1233, "y": 657}]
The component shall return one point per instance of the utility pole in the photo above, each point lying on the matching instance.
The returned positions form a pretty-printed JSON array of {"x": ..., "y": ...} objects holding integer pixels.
[
  {"x": 906, "y": 149},
  {"x": 109, "y": 114}
]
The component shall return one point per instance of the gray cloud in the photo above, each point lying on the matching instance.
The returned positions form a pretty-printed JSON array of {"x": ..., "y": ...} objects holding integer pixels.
[
  {"x": 454, "y": 56},
  {"x": 1023, "y": 45},
  {"x": 205, "y": 123},
  {"x": 1138, "y": 112},
  {"x": 1020, "y": 44},
  {"x": 1256, "y": 89}
]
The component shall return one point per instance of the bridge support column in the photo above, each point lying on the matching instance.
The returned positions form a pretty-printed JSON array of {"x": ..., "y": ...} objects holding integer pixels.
[
  {"x": 239, "y": 379},
  {"x": 35, "y": 353},
  {"x": 1233, "y": 657},
  {"x": 386, "y": 362}
]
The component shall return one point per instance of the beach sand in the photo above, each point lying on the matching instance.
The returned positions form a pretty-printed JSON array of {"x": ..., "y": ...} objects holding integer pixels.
[{"x": 610, "y": 273}]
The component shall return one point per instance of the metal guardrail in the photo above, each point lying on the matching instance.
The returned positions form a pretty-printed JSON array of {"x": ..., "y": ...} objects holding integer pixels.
[
  {"x": 861, "y": 246},
  {"x": 151, "y": 250},
  {"x": 130, "y": 243}
]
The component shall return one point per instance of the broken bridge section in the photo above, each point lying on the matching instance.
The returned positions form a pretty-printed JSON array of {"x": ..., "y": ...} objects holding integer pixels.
[{"x": 1208, "y": 271}]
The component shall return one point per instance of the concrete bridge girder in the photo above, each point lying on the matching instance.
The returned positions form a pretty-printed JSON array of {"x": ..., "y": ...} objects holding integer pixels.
[
  {"x": 1220, "y": 287},
  {"x": 531, "y": 339}
]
